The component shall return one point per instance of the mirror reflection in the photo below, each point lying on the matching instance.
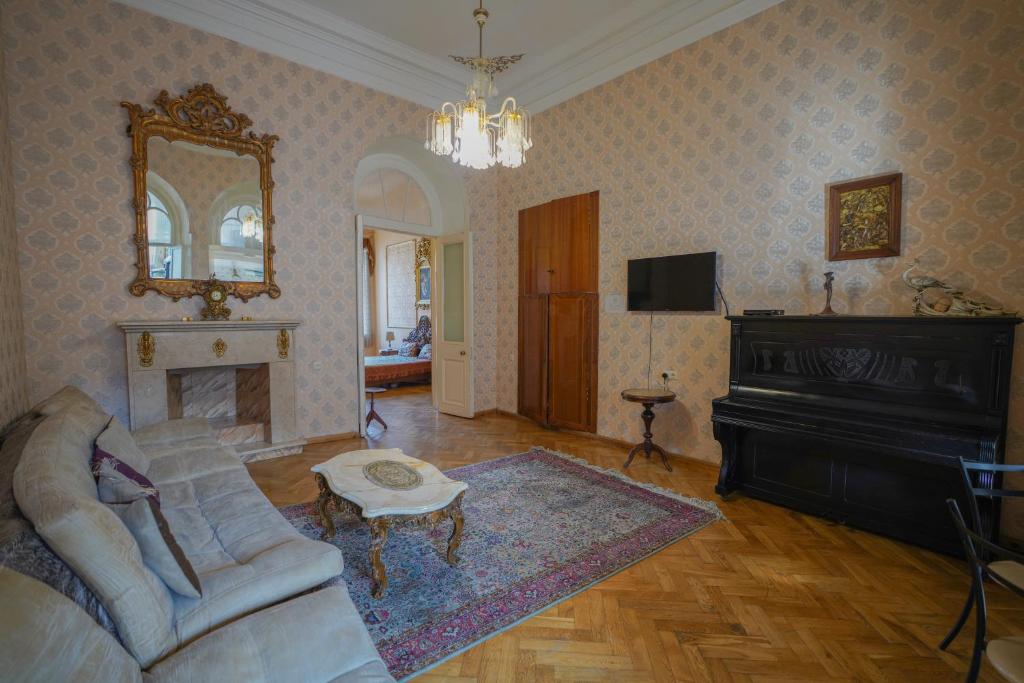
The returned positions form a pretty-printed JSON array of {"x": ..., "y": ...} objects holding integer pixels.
[{"x": 204, "y": 213}]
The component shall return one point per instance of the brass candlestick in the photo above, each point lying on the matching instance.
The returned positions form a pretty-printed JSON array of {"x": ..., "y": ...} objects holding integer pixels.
[{"x": 829, "y": 278}]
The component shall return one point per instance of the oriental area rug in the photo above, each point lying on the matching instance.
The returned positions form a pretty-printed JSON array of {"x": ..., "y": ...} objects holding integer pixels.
[{"x": 539, "y": 527}]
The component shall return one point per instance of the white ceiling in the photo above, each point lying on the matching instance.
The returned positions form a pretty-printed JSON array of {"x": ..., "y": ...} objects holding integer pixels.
[
  {"x": 446, "y": 27},
  {"x": 402, "y": 46}
]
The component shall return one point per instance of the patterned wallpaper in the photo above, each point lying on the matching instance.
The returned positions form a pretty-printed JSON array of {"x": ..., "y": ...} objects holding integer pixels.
[
  {"x": 727, "y": 144},
  {"x": 69, "y": 64},
  {"x": 13, "y": 399}
]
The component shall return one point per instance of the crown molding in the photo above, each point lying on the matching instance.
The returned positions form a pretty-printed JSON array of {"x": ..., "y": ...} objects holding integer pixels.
[
  {"x": 297, "y": 31},
  {"x": 308, "y": 35},
  {"x": 637, "y": 35}
]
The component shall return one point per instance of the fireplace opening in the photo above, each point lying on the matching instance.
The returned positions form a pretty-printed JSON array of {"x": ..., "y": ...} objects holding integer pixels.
[{"x": 235, "y": 399}]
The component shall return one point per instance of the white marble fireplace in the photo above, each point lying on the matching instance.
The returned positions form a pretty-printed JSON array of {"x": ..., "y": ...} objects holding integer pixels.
[{"x": 240, "y": 374}]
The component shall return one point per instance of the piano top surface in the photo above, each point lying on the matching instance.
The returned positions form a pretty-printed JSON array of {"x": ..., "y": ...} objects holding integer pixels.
[{"x": 955, "y": 320}]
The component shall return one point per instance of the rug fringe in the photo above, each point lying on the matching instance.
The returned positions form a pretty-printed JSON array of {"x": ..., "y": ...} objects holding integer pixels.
[{"x": 701, "y": 503}]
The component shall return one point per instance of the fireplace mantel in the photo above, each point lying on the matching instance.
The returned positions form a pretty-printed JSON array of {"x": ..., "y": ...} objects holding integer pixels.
[{"x": 159, "y": 352}]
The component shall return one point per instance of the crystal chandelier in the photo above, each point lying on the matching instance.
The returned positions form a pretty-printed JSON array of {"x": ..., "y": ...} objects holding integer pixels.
[
  {"x": 466, "y": 131},
  {"x": 252, "y": 226}
]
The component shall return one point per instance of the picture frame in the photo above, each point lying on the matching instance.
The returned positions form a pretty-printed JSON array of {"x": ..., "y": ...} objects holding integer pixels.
[
  {"x": 423, "y": 286},
  {"x": 864, "y": 217},
  {"x": 423, "y": 258}
]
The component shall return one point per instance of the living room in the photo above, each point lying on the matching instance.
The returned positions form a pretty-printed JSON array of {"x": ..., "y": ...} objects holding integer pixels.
[{"x": 720, "y": 300}]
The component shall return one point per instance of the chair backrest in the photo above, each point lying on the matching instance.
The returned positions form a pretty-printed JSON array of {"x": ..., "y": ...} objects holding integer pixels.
[
  {"x": 421, "y": 333},
  {"x": 985, "y": 480}
]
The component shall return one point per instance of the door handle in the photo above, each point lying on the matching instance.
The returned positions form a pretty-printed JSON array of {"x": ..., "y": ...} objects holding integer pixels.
[{"x": 462, "y": 353}]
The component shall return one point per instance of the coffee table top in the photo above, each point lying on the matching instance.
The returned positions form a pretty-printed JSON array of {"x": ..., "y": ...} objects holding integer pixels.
[{"x": 386, "y": 481}]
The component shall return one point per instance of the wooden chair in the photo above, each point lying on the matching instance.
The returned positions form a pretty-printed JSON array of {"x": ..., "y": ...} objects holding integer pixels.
[{"x": 1005, "y": 654}]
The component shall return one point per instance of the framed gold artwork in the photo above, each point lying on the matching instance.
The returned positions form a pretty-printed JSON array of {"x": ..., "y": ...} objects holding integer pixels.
[{"x": 864, "y": 217}]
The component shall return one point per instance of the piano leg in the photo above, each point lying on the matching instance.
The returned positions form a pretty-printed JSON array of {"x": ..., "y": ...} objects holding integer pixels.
[{"x": 728, "y": 437}]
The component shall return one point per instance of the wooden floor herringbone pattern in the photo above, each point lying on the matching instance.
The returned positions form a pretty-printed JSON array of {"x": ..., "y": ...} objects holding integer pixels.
[{"x": 769, "y": 596}]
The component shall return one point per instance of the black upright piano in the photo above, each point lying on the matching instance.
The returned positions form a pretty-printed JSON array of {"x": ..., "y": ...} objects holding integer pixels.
[{"x": 860, "y": 419}]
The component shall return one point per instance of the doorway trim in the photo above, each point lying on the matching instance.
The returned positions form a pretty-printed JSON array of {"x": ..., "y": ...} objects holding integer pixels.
[{"x": 367, "y": 221}]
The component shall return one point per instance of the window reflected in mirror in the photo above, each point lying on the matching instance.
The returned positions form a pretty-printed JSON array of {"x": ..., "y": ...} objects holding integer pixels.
[
  {"x": 167, "y": 230},
  {"x": 238, "y": 255},
  {"x": 204, "y": 214}
]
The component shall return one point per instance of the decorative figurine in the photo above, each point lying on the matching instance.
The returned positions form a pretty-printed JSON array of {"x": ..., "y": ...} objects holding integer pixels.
[
  {"x": 830, "y": 276},
  {"x": 952, "y": 302}
]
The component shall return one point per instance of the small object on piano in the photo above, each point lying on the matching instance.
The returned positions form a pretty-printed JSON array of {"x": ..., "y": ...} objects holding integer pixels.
[
  {"x": 829, "y": 277},
  {"x": 952, "y": 302},
  {"x": 763, "y": 311}
]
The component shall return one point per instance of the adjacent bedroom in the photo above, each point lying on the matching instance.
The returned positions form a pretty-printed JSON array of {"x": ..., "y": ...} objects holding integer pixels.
[{"x": 396, "y": 309}]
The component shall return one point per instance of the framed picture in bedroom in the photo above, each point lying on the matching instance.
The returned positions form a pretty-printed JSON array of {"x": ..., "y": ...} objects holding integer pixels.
[
  {"x": 423, "y": 255},
  {"x": 863, "y": 217},
  {"x": 423, "y": 286}
]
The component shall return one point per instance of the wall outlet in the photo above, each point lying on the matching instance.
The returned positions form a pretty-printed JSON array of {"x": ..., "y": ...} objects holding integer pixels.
[{"x": 669, "y": 375}]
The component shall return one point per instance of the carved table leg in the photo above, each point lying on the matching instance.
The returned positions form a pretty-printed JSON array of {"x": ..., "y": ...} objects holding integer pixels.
[
  {"x": 648, "y": 416},
  {"x": 378, "y": 537},
  {"x": 664, "y": 457},
  {"x": 647, "y": 446},
  {"x": 455, "y": 540},
  {"x": 322, "y": 504},
  {"x": 632, "y": 454}
]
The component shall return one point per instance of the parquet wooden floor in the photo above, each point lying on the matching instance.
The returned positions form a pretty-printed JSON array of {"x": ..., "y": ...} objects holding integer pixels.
[{"x": 769, "y": 596}]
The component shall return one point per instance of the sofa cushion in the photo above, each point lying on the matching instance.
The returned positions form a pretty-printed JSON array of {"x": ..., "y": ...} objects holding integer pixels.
[
  {"x": 55, "y": 490},
  {"x": 21, "y": 548},
  {"x": 172, "y": 431},
  {"x": 315, "y": 637},
  {"x": 245, "y": 553},
  {"x": 188, "y": 461},
  {"x": 46, "y": 637},
  {"x": 117, "y": 440},
  {"x": 68, "y": 397},
  {"x": 160, "y": 551}
]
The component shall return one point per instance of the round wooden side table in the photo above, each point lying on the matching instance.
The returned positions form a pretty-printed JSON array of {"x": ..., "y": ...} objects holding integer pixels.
[
  {"x": 372, "y": 413},
  {"x": 648, "y": 397}
]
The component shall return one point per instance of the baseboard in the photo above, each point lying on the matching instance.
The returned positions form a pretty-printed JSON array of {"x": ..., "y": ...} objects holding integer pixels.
[
  {"x": 606, "y": 439},
  {"x": 332, "y": 437}
]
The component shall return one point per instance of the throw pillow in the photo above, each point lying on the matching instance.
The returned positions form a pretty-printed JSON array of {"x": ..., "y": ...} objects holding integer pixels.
[
  {"x": 425, "y": 352},
  {"x": 119, "y": 482},
  {"x": 408, "y": 349},
  {"x": 117, "y": 440},
  {"x": 160, "y": 550}
]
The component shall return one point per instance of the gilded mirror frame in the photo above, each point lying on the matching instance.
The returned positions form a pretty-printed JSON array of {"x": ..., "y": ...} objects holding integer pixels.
[{"x": 202, "y": 117}]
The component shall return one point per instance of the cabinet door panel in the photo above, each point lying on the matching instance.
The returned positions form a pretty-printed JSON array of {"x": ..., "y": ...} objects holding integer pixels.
[
  {"x": 573, "y": 225},
  {"x": 572, "y": 339},
  {"x": 533, "y": 357},
  {"x": 535, "y": 241}
]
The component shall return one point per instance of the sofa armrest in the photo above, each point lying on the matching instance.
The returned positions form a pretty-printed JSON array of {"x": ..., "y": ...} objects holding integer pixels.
[
  {"x": 172, "y": 430},
  {"x": 318, "y": 637}
]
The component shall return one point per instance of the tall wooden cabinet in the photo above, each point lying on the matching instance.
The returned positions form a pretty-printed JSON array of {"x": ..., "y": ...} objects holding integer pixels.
[{"x": 558, "y": 312}]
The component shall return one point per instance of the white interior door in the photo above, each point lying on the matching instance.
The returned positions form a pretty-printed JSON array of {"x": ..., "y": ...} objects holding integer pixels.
[
  {"x": 360, "y": 353},
  {"x": 453, "y": 339}
]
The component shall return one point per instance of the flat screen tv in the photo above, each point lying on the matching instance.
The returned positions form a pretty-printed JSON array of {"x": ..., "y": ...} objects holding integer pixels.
[{"x": 673, "y": 283}]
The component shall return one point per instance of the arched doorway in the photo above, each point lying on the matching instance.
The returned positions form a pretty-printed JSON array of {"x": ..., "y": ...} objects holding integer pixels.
[{"x": 413, "y": 205}]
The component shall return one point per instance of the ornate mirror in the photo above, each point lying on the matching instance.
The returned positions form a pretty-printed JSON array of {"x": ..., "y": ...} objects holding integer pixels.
[{"x": 203, "y": 188}]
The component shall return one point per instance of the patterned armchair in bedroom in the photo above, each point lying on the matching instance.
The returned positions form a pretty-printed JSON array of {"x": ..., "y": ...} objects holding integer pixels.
[{"x": 418, "y": 339}]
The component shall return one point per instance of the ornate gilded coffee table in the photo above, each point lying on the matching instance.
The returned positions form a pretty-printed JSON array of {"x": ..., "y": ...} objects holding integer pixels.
[{"x": 389, "y": 490}]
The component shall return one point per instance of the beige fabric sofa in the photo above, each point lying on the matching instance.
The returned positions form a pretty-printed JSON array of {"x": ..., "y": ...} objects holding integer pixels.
[{"x": 247, "y": 556}]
